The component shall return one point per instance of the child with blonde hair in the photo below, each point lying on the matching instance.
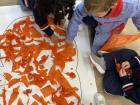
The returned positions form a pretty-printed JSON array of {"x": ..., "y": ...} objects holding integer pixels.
[{"x": 111, "y": 15}]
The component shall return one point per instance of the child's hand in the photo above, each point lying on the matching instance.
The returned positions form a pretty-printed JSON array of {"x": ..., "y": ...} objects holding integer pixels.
[
  {"x": 122, "y": 72},
  {"x": 54, "y": 39},
  {"x": 69, "y": 42},
  {"x": 125, "y": 65}
]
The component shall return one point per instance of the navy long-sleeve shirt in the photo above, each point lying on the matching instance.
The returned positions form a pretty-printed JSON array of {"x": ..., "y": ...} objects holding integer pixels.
[
  {"x": 128, "y": 86},
  {"x": 40, "y": 20},
  {"x": 131, "y": 84}
]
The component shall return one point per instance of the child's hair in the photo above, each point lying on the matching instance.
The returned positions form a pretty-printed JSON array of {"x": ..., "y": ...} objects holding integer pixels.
[
  {"x": 100, "y": 5},
  {"x": 59, "y": 8}
]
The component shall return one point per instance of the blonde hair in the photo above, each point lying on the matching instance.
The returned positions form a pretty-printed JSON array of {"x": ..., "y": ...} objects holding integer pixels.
[{"x": 99, "y": 5}]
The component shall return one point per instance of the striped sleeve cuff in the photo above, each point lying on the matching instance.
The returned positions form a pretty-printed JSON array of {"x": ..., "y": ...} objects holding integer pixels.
[
  {"x": 128, "y": 87},
  {"x": 47, "y": 29},
  {"x": 127, "y": 83}
]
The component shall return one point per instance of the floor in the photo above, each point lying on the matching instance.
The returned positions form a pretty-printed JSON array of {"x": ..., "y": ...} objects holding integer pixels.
[
  {"x": 110, "y": 99},
  {"x": 8, "y": 2}
]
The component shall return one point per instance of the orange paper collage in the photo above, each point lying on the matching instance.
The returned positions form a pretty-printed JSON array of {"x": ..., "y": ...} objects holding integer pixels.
[{"x": 22, "y": 46}]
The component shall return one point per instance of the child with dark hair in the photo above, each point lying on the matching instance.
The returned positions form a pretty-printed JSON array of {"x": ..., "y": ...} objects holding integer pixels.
[
  {"x": 42, "y": 9},
  {"x": 125, "y": 80}
]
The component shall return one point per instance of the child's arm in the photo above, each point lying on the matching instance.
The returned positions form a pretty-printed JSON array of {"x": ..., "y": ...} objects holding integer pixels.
[
  {"x": 125, "y": 65},
  {"x": 76, "y": 20},
  {"x": 99, "y": 40},
  {"x": 126, "y": 81},
  {"x": 43, "y": 23},
  {"x": 135, "y": 62},
  {"x": 133, "y": 95},
  {"x": 130, "y": 91}
]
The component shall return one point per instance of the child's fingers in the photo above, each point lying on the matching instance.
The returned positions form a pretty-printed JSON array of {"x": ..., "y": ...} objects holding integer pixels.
[
  {"x": 122, "y": 72},
  {"x": 125, "y": 65}
]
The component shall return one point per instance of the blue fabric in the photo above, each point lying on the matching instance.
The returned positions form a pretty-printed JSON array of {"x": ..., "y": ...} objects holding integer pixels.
[{"x": 90, "y": 21}]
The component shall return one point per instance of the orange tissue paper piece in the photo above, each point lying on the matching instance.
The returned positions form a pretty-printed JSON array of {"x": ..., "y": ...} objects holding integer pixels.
[
  {"x": 7, "y": 76},
  {"x": 34, "y": 103},
  {"x": 71, "y": 74},
  {"x": 46, "y": 91},
  {"x": 118, "y": 40},
  {"x": 40, "y": 99},
  {"x": 20, "y": 102},
  {"x": 13, "y": 96}
]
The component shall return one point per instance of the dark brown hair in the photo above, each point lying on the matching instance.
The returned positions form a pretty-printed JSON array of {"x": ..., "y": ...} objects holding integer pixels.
[{"x": 59, "y": 8}]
